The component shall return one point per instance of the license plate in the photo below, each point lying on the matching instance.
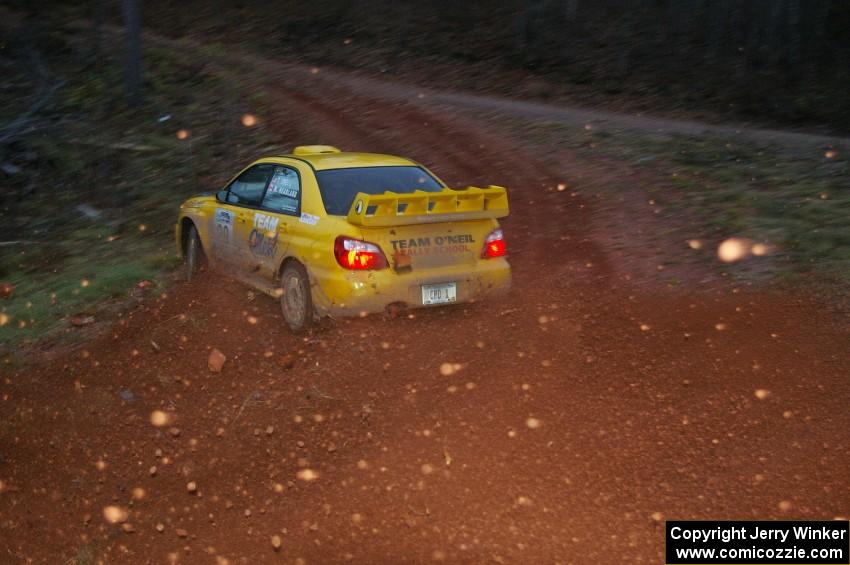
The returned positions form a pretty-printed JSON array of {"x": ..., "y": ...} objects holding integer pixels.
[{"x": 439, "y": 293}]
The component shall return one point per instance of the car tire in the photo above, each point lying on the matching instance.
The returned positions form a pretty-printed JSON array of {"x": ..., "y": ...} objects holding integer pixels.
[
  {"x": 194, "y": 256},
  {"x": 296, "y": 300}
]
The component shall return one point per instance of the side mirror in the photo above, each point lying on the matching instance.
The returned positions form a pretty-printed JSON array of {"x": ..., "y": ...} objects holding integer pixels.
[{"x": 221, "y": 196}]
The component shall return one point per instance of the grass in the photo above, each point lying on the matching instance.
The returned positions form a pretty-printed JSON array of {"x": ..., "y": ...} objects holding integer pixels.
[
  {"x": 92, "y": 213},
  {"x": 794, "y": 199},
  {"x": 796, "y": 202},
  {"x": 44, "y": 304}
]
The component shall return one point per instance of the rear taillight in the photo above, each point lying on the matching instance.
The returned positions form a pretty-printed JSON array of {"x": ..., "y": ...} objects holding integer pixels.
[
  {"x": 494, "y": 245},
  {"x": 358, "y": 255}
]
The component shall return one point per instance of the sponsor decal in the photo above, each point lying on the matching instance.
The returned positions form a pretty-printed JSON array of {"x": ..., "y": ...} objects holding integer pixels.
[
  {"x": 308, "y": 219},
  {"x": 433, "y": 245},
  {"x": 265, "y": 222},
  {"x": 223, "y": 224},
  {"x": 285, "y": 183},
  {"x": 263, "y": 238},
  {"x": 283, "y": 191}
]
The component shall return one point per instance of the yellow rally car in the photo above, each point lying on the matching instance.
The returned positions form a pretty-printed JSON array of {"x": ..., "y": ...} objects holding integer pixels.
[{"x": 334, "y": 233}]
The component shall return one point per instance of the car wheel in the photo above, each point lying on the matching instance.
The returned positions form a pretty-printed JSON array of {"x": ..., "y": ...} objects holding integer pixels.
[
  {"x": 296, "y": 302},
  {"x": 194, "y": 256}
]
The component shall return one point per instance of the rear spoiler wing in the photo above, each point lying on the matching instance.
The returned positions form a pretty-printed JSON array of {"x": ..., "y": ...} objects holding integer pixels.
[{"x": 420, "y": 207}]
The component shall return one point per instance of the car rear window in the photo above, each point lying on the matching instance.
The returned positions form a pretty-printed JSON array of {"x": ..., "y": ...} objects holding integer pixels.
[{"x": 340, "y": 186}]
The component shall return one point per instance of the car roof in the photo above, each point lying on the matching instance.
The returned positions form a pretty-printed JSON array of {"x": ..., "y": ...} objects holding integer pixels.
[{"x": 345, "y": 160}]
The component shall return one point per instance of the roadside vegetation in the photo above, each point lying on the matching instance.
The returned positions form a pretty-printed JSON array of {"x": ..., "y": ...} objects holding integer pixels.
[
  {"x": 791, "y": 198},
  {"x": 92, "y": 184}
]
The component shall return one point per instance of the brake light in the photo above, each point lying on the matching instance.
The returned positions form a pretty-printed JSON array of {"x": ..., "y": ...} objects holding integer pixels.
[
  {"x": 358, "y": 255},
  {"x": 494, "y": 245}
]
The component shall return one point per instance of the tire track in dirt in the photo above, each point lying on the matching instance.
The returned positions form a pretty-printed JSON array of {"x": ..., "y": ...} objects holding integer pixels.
[
  {"x": 567, "y": 230},
  {"x": 540, "y": 223}
]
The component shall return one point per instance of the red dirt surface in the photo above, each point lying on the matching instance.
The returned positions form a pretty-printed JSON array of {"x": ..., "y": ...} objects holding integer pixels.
[{"x": 562, "y": 425}]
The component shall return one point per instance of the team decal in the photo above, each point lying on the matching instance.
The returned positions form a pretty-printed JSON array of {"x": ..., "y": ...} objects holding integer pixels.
[
  {"x": 308, "y": 219},
  {"x": 223, "y": 224},
  {"x": 263, "y": 238},
  {"x": 433, "y": 245}
]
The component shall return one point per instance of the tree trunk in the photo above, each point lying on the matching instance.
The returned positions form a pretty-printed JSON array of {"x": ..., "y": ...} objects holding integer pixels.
[
  {"x": 97, "y": 30},
  {"x": 133, "y": 64},
  {"x": 794, "y": 36},
  {"x": 817, "y": 56},
  {"x": 774, "y": 33},
  {"x": 570, "y": 9},
  {"x": 521, "y": 28}
]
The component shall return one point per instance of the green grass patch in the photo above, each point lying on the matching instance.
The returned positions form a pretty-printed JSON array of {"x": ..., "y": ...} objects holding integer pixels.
[
  {"x": 44, "y": 305},
  {"x": 794, "y": 198}
]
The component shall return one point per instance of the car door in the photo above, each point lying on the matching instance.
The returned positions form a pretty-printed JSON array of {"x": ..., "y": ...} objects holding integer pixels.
[
  {"x": 274, "y": 222},
  {"x": 233, "y": 219}
]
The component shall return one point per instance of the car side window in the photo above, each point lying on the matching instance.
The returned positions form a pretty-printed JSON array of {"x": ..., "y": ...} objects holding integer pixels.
[
  {"x": 284, "y": 192},
  {"x": 247, "y": 189}
]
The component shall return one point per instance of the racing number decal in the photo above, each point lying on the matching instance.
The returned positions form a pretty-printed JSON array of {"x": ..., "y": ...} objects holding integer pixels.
[{"x": 223, "y": 225}]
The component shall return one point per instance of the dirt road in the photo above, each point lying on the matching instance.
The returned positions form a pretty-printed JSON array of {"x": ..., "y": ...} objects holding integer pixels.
[{"x": 563, "y": 425}]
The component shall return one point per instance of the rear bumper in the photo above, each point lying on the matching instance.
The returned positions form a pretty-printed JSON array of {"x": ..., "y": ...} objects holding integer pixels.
[{"x": 354, "y": 293}]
